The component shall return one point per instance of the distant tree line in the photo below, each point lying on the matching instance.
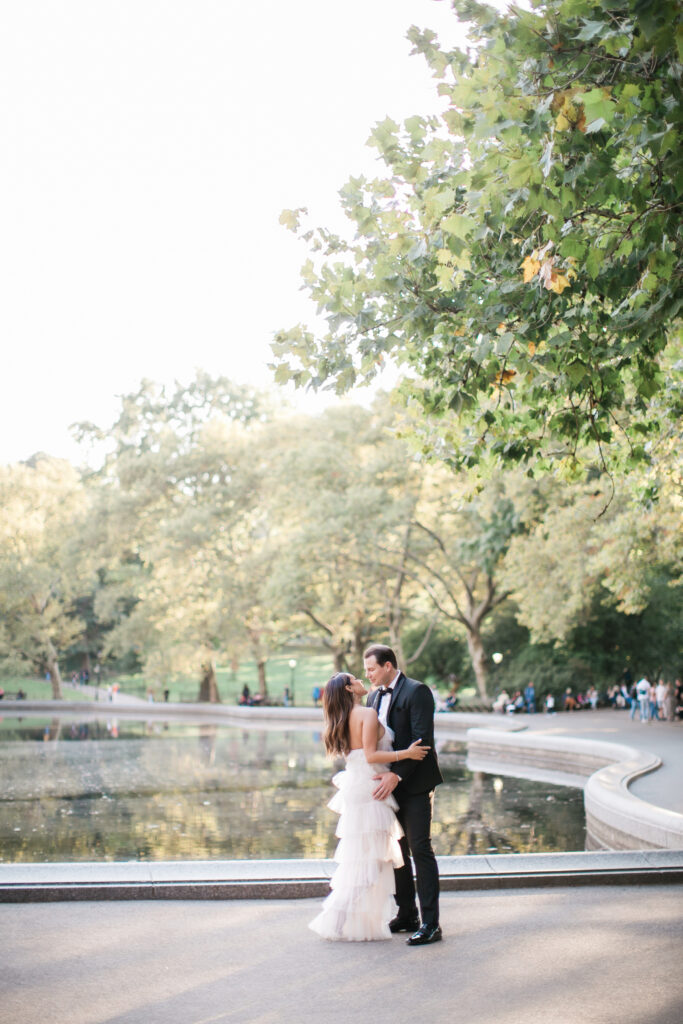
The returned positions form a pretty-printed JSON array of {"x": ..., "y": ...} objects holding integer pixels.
[{"x": 218, "y": 529}]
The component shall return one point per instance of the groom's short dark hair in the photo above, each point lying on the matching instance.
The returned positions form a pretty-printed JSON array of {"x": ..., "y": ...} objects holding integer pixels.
[{"x": 381, "y": 653}]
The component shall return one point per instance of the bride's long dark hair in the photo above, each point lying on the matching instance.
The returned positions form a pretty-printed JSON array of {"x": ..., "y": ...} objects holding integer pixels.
[{"x": 337, "y": 705}]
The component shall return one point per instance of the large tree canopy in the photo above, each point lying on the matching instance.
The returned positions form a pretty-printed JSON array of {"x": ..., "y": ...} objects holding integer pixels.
[
  {"x": 521, "y": 258},
  {"x": 42, "y": 570}
]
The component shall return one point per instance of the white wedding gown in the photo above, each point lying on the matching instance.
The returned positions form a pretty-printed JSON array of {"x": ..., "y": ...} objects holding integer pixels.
[{"x": 361, "y": 902}]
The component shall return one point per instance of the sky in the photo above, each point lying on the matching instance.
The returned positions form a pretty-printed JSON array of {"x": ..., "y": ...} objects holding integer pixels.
[{"x": 149, "y": 148}]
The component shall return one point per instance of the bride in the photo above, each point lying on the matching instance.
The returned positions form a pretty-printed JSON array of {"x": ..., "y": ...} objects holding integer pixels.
[{"x": 360, "y": 905}]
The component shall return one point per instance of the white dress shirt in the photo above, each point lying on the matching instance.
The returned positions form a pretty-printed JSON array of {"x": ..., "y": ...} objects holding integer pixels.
[{"x": 385, "y": 700}]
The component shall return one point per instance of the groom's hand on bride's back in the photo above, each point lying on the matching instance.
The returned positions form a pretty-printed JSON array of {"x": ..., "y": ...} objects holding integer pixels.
[{"x": 388, "y": 782}]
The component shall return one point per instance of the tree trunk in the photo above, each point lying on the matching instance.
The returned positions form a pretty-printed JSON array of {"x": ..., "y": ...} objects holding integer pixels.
[
  {"x": 262, "y": 686},
  {"x": 475, "y": 647},
  {"x": 53, "y": 668},
  {"x": 55, "y": 729},
  {"x": 260, "y": 659},
  {"x": 208, "y": 687},
  {"x": 396, "y": 643},
  {"x": 339, "y": 659},
  {"x": 355, "y": 655}
]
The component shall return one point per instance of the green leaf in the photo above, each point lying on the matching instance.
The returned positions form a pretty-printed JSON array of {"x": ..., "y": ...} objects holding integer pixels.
[
  {"x": 482, "y": 351},
  {"x": 437, "y": 201},
  {"x": 459, "y": 225},
  {"x": 504, "y": 343},
  {"x": 597, "y": 104},
  {"x": 593, "y": 262},
  {"x": 590, "y": 30},
  {"x": 576, "y": 371}
]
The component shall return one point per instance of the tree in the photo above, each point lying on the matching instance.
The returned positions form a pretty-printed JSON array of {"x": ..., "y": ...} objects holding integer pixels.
[
  {"x": 521, "y": 259},
  {"x": 344, "y": 490},
  {"x": 459, "y": 568},
  {"x": 42, "y": 572},
  {"x": 572, "y": 551},
  {"x": 379, "y": 543},
  {"x": 177, "y": 493}
]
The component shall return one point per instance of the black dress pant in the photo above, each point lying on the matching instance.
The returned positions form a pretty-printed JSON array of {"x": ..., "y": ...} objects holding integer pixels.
[{"x": 415, "y": 816}]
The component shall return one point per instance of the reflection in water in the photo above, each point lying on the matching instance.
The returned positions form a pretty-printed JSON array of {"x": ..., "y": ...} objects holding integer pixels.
[
  {"x": 474, "y": 830},
  {"x": 207, "y": 743},
  {"x": 150, "y": 791},
  {"x": 52, "y": 732}
]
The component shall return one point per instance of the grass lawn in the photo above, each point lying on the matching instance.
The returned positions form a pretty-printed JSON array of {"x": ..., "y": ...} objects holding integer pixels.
[
  {"x": 310, "y": 670},
  {"x": 38, "y": 689}
]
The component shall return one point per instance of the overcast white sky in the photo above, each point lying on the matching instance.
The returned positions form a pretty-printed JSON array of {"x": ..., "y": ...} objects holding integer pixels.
[{"x": 149, "y": 147}]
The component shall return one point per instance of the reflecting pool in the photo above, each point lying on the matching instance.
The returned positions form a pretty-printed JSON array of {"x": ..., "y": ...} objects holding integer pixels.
[{"x": 131, "y": 790}]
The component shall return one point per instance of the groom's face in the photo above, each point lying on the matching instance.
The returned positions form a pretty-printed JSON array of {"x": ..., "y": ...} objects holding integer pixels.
[{"x": 379, "y": 675}]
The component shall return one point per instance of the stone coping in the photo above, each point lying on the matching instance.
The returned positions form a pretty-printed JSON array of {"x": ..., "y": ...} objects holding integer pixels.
[
  {"x": 231, "y": 714},
  {"x": 616, "y": 818},
  {"x": 291, "y": 879},
  {"x": 143, "y": 709}
]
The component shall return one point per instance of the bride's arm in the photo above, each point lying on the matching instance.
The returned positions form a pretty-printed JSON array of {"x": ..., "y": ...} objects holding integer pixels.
[{"x": 370, "y": 731}]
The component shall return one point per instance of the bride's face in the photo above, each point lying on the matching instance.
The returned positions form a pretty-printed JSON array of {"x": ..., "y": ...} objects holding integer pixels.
[{"x": 356, "y": 688}]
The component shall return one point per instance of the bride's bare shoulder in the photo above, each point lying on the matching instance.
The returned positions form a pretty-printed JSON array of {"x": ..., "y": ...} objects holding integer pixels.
[{"x": 363, "y": 713}]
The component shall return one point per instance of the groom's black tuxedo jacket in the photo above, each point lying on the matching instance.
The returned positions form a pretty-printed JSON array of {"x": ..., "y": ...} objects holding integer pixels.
[{"x": 411, "y": 717}]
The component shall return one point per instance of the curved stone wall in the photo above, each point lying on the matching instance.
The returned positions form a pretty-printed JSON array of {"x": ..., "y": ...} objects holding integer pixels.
[{"x": 615, "y": 818}]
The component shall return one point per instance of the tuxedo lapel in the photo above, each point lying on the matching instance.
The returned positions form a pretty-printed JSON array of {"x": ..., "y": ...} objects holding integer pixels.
[{"x": 394, "y": 694}]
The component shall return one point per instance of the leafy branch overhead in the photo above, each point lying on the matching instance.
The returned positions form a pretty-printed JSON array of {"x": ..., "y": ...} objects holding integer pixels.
[{"x": 520, "y": 259}]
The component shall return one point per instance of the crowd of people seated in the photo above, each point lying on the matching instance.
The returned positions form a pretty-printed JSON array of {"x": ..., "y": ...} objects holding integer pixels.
[
  {"x": 661, "y": 701},
  {"x": 249, "y": 699}
]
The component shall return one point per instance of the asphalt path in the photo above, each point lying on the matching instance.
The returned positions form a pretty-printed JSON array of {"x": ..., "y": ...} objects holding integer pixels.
[
  {"x": 663, "y": 787},
  {"x": 603, "y": 955}
]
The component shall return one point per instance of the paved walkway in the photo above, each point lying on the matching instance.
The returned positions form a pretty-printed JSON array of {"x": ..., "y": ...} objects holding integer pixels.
[
  {"x": 663, "y": 787},
  {"x": 567, "y": 956},
  {"x": 589, "y": 955}
]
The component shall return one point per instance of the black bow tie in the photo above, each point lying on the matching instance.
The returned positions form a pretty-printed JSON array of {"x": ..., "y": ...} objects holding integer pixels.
[{"x": 383, "y": 690}]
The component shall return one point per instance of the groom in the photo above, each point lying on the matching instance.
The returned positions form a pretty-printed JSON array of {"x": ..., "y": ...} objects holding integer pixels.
[{"x": 407, "y": 707}]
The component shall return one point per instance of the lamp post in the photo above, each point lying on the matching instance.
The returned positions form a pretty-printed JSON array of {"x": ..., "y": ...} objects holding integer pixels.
[{"x": 292, "y": 666}]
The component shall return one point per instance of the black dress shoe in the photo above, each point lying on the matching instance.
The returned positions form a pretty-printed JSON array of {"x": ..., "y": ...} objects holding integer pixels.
[
  {"x": 424, "y": 935},
  {"x": 404, "y": 924}
]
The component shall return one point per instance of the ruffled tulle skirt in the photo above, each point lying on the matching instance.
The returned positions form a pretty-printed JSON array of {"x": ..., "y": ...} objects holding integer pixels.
[{"x": 360, "y": 904}]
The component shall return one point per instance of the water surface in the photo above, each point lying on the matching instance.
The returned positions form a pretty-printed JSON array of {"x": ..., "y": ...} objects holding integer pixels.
[{"x": 133, "y": 790}]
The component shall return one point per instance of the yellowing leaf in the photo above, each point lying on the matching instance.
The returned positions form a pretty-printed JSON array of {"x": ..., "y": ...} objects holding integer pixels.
[
  {"x": 569, "y": 114},
  {"x": 532, "y": 348},
  {"x": 557, "y": 283},
  {"x": 531, "y": 267},
  {"x": 502, "y": 378},
  {"x": 290, "y": 219}
]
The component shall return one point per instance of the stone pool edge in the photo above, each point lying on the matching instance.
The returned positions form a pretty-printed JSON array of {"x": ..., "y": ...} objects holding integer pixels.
[
  {"x": 616, "y": 819},
  {"x": 302, "y": 879}
]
